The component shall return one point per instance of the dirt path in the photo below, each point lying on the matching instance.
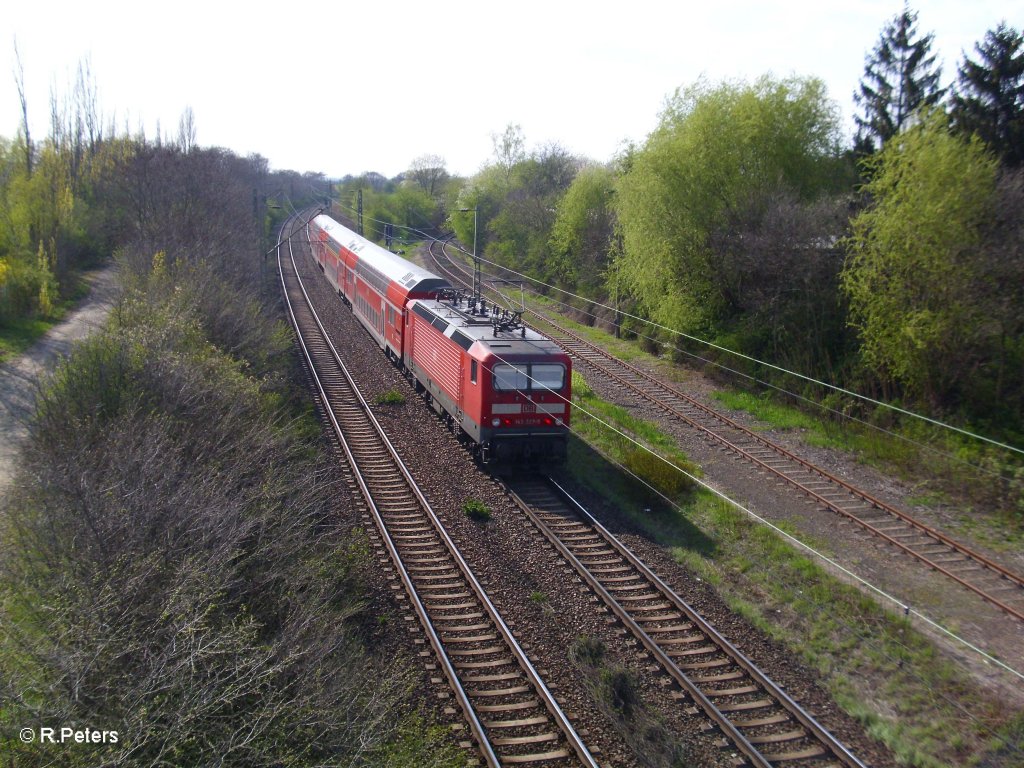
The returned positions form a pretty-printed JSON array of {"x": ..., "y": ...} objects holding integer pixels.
[{"x": 19, "y": 378}]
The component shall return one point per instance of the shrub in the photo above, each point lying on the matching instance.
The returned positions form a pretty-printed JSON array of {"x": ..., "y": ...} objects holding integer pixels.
[
  {"x": 581, "y": 390},
  {"x": 391, "y": 397},
  {"x": 475, "y": 509},
  {"x": 175, "y": 572},
  {"x": 587, "y": 650},
  {"x": 666, "y": 477},
  {"x": 620, "y": 688}
]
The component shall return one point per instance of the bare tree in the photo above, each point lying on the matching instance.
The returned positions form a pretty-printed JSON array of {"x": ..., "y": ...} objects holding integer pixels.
[
  {"x": 428, "y": 171},
  {"x": 19, "y": 80},
  {"x": 187, "y": 131},
  {"x": 509, "y": 148}
]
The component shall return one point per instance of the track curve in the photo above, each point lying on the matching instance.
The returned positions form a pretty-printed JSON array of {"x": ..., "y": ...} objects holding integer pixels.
[
  {"x": 512, "y": 715},
  {"x": 981, "y": 575}
]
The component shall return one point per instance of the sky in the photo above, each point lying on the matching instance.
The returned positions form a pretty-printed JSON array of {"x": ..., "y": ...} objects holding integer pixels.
[{"x": 345, "y": 87}]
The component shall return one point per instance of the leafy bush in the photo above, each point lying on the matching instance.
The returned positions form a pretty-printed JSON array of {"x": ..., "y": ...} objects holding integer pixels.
[
  {"x": 391, "y": 397},
  {"x": 665, "y": 477},
  {"x": 581, "y": 390},
  {"x": 620, "y": 688},
  {"x": 27, "y": 287},
  {"x": 587, "y": 650},
  {"x": 475, "y": 509},
  {"x": 175, "y": 570}
]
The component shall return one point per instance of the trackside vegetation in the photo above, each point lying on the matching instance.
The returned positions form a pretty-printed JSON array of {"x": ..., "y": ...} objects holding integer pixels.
[
  {"x": 877, "y": 666},
  {"x": 176, "y": 574},
  {"x": 746, "y": 228},
  {"x": 173, "y": 567}
]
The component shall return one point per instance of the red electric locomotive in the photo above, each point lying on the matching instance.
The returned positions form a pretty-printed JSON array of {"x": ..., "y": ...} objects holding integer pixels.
[{"x": 504, "y": 388}]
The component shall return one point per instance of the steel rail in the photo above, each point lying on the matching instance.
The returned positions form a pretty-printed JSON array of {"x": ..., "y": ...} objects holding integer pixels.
[
  {"x": 830, "y": 504},
  {"x": 476, "y": 726},
  {"x": 970, "y": 554},
  {"x": 730, "y": 729}
]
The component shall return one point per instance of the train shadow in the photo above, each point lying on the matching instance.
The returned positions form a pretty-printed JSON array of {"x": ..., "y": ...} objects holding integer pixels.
[{"x": 625, "y": 505}]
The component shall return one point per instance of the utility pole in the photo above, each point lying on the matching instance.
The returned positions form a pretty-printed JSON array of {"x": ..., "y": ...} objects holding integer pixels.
[
  {"x": 359, "y": 211},
  {"x": 477, "y": 288}
]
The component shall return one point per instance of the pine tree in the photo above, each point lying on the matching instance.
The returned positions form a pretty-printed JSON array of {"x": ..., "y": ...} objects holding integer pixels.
[
  {"x": 989, "y": 97},
  {"x": 900, "y": 76}
]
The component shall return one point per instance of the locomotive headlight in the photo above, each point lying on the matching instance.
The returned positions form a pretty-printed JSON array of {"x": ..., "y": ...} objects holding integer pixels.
[
  {"x": 558, "y": 422},
  {"x": 495, "y": 422}
]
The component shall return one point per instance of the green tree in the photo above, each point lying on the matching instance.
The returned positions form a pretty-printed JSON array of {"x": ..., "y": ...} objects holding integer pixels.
[
  {"x": 515, "y": 206},
  {"x": 989, "y": 96},
  {"x": 485, "y": 192},
  {"x": 716, "y": 149},
  {"x": 38, "y": 221},
  {"x": 582, "y": 236},
  {"x": 407, "y": 206},
  {"x": 900, "y": 76},
  {"x": 912, "y": 270}
]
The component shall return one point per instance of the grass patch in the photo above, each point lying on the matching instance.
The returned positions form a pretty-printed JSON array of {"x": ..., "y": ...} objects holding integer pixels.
[
  {"x": 18, "y": 335},
  {"x": 872, "y": 661},
  {"x": 662, "y": 470},
  {"x": 871, "y": 447},
  {"x": 476, "y": 510},
  {"x": 877, "y": 666},
  {"x": 622, "y": 348},
  {"x": 391, "y": 397},
  {"x": 956, "y": 471},
  {"x": 766, "y": 409}
]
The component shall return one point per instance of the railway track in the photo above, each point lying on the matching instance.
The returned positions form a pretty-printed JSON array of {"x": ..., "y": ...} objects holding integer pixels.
[
  {"x": 755, "y": 715},
  {"x": 511, "y": 714},
  {"x": 971, "y": 570}
]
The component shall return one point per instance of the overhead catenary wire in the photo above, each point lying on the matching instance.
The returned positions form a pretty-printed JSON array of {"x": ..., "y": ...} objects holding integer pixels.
[
  {"x": 788, "y": 393},
  {"x": 991, "y": 472},
  {"x": 780, "y": 369},
  {"x": 830, "y": 562},
  {"x": 850, "y": 393},
  {"x": 904, "y": 608}
]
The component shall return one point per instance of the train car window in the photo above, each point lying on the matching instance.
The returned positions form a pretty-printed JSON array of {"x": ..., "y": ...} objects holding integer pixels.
[
  {"x": 472, "y": 371},
  {"x": 462, "y": 340},
  {"x": 423, "y": 312},
  {"x": 511, "y": 377},
  {"x": 529, "y": 376},
  {"x": 372, "y": 276},
  {"x": 547, "y": 376}
]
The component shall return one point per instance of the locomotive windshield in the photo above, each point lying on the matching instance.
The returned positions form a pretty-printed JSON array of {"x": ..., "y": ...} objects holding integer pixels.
[{"x": 525, "y": 377}]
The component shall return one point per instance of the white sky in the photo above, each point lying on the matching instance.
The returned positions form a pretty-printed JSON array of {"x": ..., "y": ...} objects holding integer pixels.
[{"x": 346, "y": 87}]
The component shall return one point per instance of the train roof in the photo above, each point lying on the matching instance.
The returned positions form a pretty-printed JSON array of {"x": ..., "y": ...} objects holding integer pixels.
[
  {"x": 391, "y": 265},
  {"x": 465, "y": 329}
]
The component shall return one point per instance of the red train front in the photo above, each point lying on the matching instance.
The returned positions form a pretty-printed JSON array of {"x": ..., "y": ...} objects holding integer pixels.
[
  {"x": 503, "y": 388},
  {"x": 506, "y": 388}
]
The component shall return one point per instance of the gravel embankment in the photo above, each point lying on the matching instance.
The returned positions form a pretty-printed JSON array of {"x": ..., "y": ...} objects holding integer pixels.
[{"x": 546, "y": 606}]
